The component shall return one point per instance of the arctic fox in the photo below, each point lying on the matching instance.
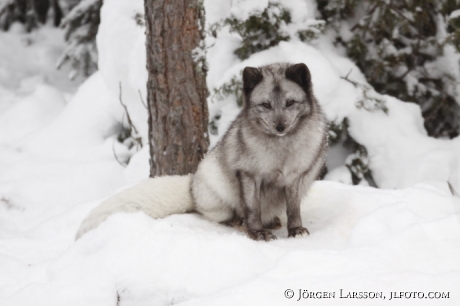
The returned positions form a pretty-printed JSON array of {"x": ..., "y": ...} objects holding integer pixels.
[{"x": 264, "y": 164}]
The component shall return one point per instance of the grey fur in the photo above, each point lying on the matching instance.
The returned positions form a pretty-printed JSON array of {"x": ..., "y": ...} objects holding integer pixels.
[{"x": 269, "y": 157}]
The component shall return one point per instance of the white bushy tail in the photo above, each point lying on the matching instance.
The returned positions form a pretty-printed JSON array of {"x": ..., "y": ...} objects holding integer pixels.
[{"x": 157, "y": 197}]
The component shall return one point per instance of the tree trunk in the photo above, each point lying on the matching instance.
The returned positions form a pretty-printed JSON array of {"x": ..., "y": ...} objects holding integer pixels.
[{"x": 176, "y": 87}]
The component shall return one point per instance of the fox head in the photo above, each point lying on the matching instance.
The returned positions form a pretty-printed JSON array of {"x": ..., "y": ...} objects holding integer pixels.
[{"x": 277, "y": 97}]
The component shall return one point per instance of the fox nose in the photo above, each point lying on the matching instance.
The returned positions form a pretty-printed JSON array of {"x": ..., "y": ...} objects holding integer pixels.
[{"x": 280, "y": 128}]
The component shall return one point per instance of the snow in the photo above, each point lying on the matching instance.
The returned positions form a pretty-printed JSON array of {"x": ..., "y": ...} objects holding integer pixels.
[
  {"x": 31, "y": 54},
  {"x": 454, "y": 14},
  {"x": 122, "y": 59},
  {"x": 361, "y": 239},
  {"x": 57, "y": 146},
  {"x": 31, "y": 113}
]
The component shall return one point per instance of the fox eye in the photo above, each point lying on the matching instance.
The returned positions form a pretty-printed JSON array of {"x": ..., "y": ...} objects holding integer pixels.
[
  {"x": 266, "y": 105},
  {"x": 289, "y": 103}
]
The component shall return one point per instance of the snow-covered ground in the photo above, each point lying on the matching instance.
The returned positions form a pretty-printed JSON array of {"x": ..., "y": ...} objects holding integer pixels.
[{"x": 57, "y": 146}]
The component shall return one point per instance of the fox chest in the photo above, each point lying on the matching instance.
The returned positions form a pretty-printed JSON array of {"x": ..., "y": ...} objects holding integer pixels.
[{"x": 278, "y": 166}]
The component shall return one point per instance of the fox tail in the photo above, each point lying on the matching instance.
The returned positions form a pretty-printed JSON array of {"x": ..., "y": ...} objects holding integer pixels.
[{"x": 157, "y": 197}]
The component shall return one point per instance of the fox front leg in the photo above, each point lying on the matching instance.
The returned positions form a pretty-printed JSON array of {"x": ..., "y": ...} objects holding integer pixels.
[
  {"x": 294, "y": 219},
  {"x": 250, "y": 196}
]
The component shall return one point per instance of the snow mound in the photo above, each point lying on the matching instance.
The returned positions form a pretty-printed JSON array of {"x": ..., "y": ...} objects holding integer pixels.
[
  {"x": 362, "y": 239},
  {"x": 31, "y": 113}
]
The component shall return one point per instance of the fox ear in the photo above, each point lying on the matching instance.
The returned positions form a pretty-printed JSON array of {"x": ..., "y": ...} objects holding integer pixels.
[
  {"x": 251, "y": 77},
  {"x": 299, "y": 74}
]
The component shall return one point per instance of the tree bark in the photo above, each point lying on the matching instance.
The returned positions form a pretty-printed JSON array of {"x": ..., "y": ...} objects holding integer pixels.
[{"x": 176, "y": 87}]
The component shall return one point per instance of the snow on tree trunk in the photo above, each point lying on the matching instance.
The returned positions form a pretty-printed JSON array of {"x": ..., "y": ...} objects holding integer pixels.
[{"x": 176, "y": 87}]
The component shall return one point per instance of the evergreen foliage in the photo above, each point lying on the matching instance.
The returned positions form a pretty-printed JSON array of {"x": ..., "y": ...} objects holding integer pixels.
[
  {"x": 260, "y": 31},
  {"x": 81, "y": 25},
  {"x": 454, "y": 26},
  {"x": 312, "y": 32},
  {"x": 265, "y": 29},
  {"x": 233, "y": 87},
  {"x": 357, "y": 162},
  {"x": 31, "y": 13},
  {"x": 397, "y": 45},
  {"x": 368, "y": 99}
]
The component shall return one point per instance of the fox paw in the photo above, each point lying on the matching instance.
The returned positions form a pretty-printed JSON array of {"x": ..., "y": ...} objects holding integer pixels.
[
  {"x": 297, "y": 231},
  {"x": 274, "y": 224},
  {"x": 261, "y": 235},
  {"x": 235, "y": 221}
]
